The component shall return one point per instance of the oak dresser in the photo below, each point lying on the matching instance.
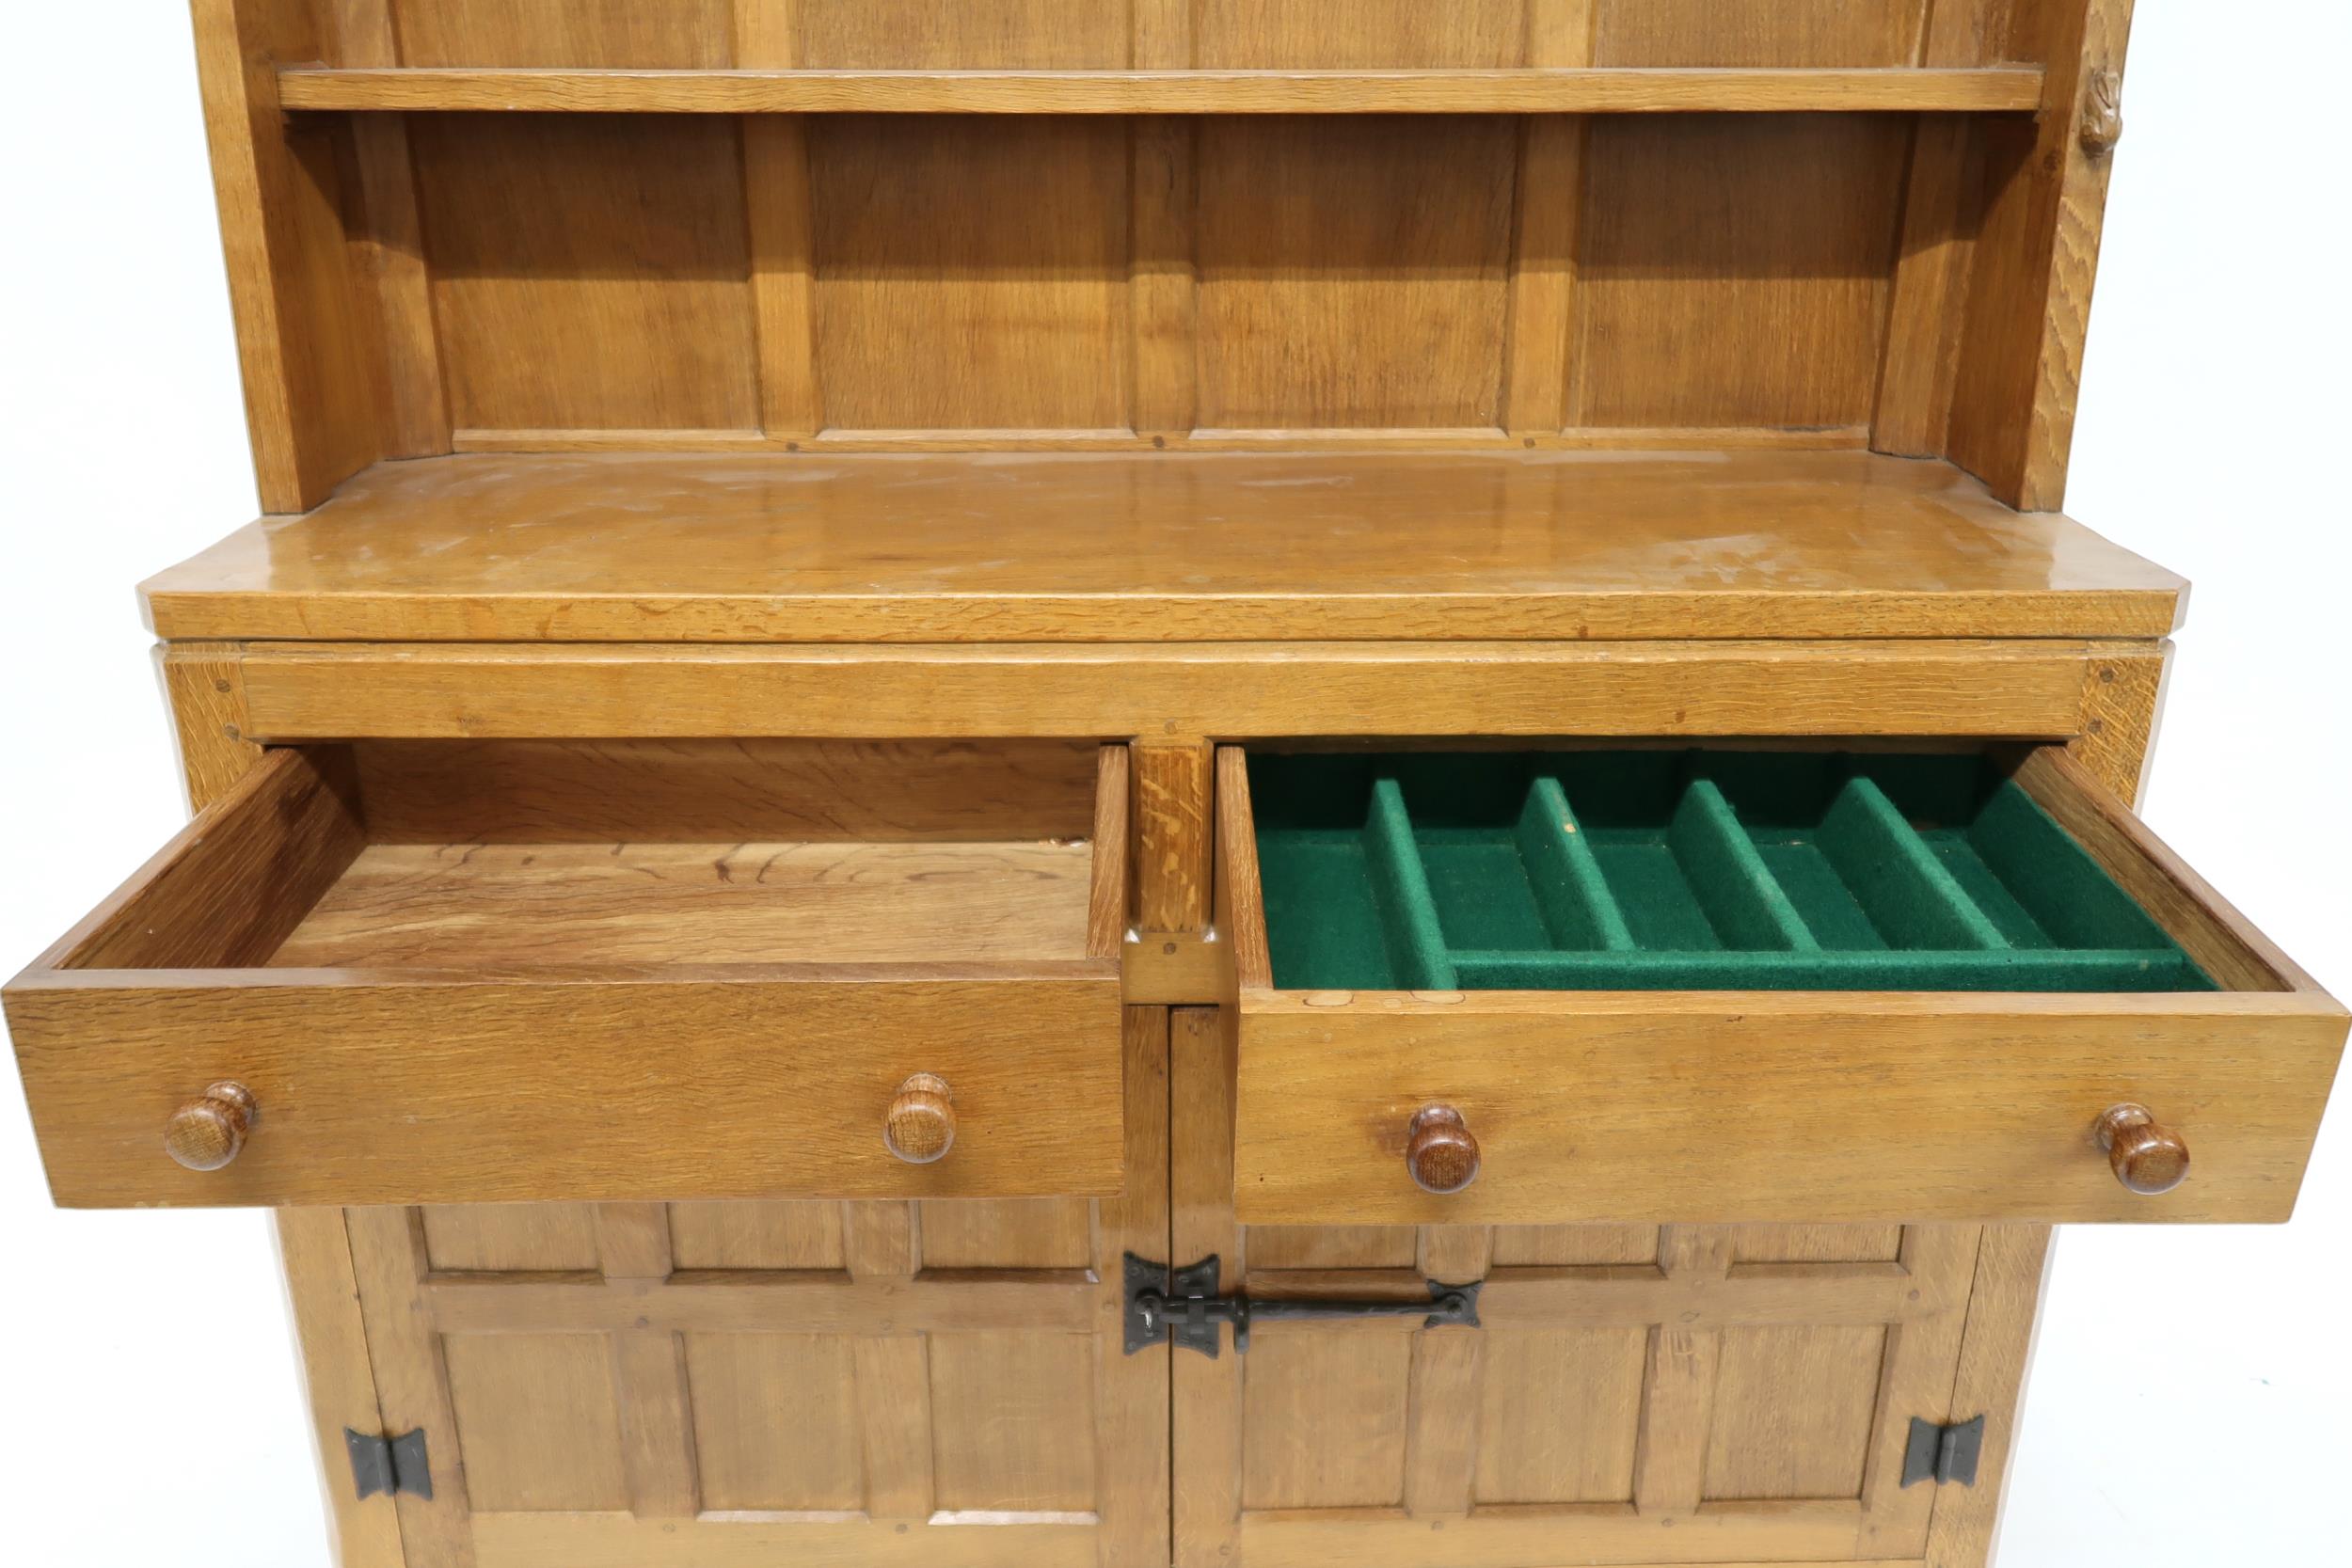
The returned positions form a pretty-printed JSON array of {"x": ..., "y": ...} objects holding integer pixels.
[{"x": 1041, "y": 783}]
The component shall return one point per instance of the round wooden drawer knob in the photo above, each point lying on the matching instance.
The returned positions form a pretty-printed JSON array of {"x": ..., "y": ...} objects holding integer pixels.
[
  {"x": 207, "y": 1134},
  {"x": 2146, "y": 1156},
  {"x": 921, "y": 1126},
  {"x": 1439, "y": 1150}
]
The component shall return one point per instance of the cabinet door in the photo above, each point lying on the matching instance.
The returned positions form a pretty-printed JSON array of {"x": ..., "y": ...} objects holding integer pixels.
[
  {"x": 1633, "y": 1394},
  {"x": 712, "y": 1383}
]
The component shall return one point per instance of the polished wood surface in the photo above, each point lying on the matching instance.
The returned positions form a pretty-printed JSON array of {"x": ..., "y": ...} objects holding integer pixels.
[
  {"x": 920, "y": 1125},
  {"x": 1986, "y": 1121},
  {"x": 1110, "y": 204},
  {"x": 1615, "y": 91},
  {"x": 944, "y": 548},
  {"x": 468, "y": 905},
  {"x": 872, "y": 1382},
  {"x": 2146, "y": 1156},
  {"x": 2023, "y": 688},
  {"x": 208, "y": 1132},
  {"x": 457, "y": 1022}
]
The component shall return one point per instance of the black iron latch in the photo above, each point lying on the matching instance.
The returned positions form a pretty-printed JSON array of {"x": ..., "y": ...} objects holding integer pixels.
[
  {"x": 1942, "y": 1454},
  {"x": 1181, "y": 1306},
  {"x": 390, "y": 1464}
]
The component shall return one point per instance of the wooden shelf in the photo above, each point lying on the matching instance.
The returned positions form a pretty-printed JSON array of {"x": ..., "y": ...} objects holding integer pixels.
[
  {"x": 1156, "y": 548},
  {"x": 1621, "y": 90}
]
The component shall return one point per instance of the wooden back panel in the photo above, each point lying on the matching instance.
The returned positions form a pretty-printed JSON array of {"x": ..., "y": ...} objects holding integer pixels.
[{"x": 562, "y": 281}]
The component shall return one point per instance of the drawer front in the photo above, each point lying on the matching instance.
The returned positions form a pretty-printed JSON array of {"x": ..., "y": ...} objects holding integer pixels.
[
  {"x": 403, "y": 1090},
  {"x": 601, "y": 974},
  {"x": 1798, "y": 1106},
  {"x": 1757, "y": 1107}
]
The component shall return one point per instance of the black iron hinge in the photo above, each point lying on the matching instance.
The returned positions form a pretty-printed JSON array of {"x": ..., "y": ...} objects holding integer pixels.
[
  {"x": 1181, "y": 1306},
  {"x": 1942, "y": 1453},
  {"x": 390, "y": 1464}
]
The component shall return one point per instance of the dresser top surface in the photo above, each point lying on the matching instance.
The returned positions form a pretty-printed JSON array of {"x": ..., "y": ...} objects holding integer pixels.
[{"x": 1164, "y": 547}]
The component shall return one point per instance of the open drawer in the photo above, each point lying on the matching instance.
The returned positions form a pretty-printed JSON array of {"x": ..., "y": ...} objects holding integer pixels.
[
  {"x": 457, "y": 971},
  {"x": 1715, "y": 986}
]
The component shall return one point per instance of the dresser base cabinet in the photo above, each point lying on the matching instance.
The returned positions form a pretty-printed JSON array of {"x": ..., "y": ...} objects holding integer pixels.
[{"x": 724, "y": 914}]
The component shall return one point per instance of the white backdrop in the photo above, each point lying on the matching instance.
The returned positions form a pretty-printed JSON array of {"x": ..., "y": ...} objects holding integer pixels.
[{"x": 2187, "y": 1403}]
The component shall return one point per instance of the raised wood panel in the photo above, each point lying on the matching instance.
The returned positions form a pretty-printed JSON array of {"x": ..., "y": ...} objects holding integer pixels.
[
  {"x": 1024, "y": 1404},
  {"x": 754, "y": 1449},
  {"x": 1315, "y": 34},
  {"x": 675, "y": 34},
  {"x": 1353, "y": 273},
  {"x": 1794, "y": 1411},
  {"x": 778, "y": 1234},
  {"x": 967, "y": 283},
  {"x": 879, "y": 1383},
  {"x": 1756, "y": 32},
  {"x": 1818, "y": 1243},
  {"x": 538, "y": 1423},
  {"x": 1011, "y": 1233},
  {"x": 1331, "y": 1247},
  {"x": 1569, "y": 1244},
  {"x": 1560, "y": 1416},
  {"x": 1302, "y": 1388},
  {"x": 512, "y": 1238},
  {"x": 589, "y": 271},
  {"x": 967, "y": 35},
  {"x": 1735, "y": 272}
]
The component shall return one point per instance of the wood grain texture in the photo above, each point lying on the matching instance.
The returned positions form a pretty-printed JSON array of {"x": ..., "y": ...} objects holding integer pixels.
[
  {"x": 590, "y": 272},
  {"x": 500, "y": 792},
  {"x": 677, "y": 33},
  {"x": 1733, "y": 33},
  {"x": 501, "y": 907},
  {"x": 205, "y": 687},
  {"x": 2025, "y": 689},
  {"x": 549, "y": 1089},
  {"x": 945, "y": 547},
  {"x": 387, "y": 1257},
  {"x": 2030, "y": 298},
  {"x": 1174, "y": 787},
  {"x": 985, "y": 90},
  {"x": 1353, "y": 273},
  {"x": 2004, "y": 1311},
  {"x": 1756, "y": 296},
  {"x": 230, "y": 886},
  {"x": 338, "y": 1377},
  {"x": 1990, "y": 1120},
  {"x": 932, "y": 311},
  {"x": 1549, "y": 197},
  {"x": 313, "y": 387}
]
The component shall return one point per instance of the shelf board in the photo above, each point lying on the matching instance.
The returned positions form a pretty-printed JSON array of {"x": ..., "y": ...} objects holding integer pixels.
[
  {"x": 1616, "y": 90},
  {"x": 1162, "y": 547}
]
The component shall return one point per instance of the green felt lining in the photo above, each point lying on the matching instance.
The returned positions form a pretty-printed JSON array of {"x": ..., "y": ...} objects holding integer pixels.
[{"x": 1694, "y": 870}]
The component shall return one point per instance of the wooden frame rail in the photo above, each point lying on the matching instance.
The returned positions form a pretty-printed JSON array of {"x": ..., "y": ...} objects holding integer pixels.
[{"x": 1594, "y": 90}]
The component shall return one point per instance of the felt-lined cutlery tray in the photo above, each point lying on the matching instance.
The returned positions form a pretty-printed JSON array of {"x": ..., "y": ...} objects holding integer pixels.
[{"x": 1686, "y": 870}]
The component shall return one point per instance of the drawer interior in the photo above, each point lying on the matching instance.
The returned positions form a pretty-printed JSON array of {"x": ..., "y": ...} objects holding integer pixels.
[
  {"x": 504, "y": 855},
  {"x": 1686, "y": 870}
]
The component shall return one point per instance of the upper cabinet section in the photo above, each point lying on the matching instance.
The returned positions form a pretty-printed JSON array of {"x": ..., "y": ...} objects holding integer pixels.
[{"x": 881, "y": 225}]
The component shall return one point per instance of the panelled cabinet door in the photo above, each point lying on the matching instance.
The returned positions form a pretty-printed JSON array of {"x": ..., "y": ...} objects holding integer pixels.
[
  {"x": 1633, "y": 1394},
  {"x": 714, "y": 1383}
]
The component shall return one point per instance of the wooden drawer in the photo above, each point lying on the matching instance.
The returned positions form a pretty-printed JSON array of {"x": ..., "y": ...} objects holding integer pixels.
[
  {"x": 1975, "y": 997},
  {"x": 461, "y": 972}
]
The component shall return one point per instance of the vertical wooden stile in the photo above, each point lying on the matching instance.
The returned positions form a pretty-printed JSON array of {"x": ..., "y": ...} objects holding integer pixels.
[
  {"x": 649, "y": 1368},
  {"x": 777, "y": 202},
  {"x": 2036, "y": 255},
  {"x": 1550, "y": 199},
  {"x": 1161, "y": 310}
]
